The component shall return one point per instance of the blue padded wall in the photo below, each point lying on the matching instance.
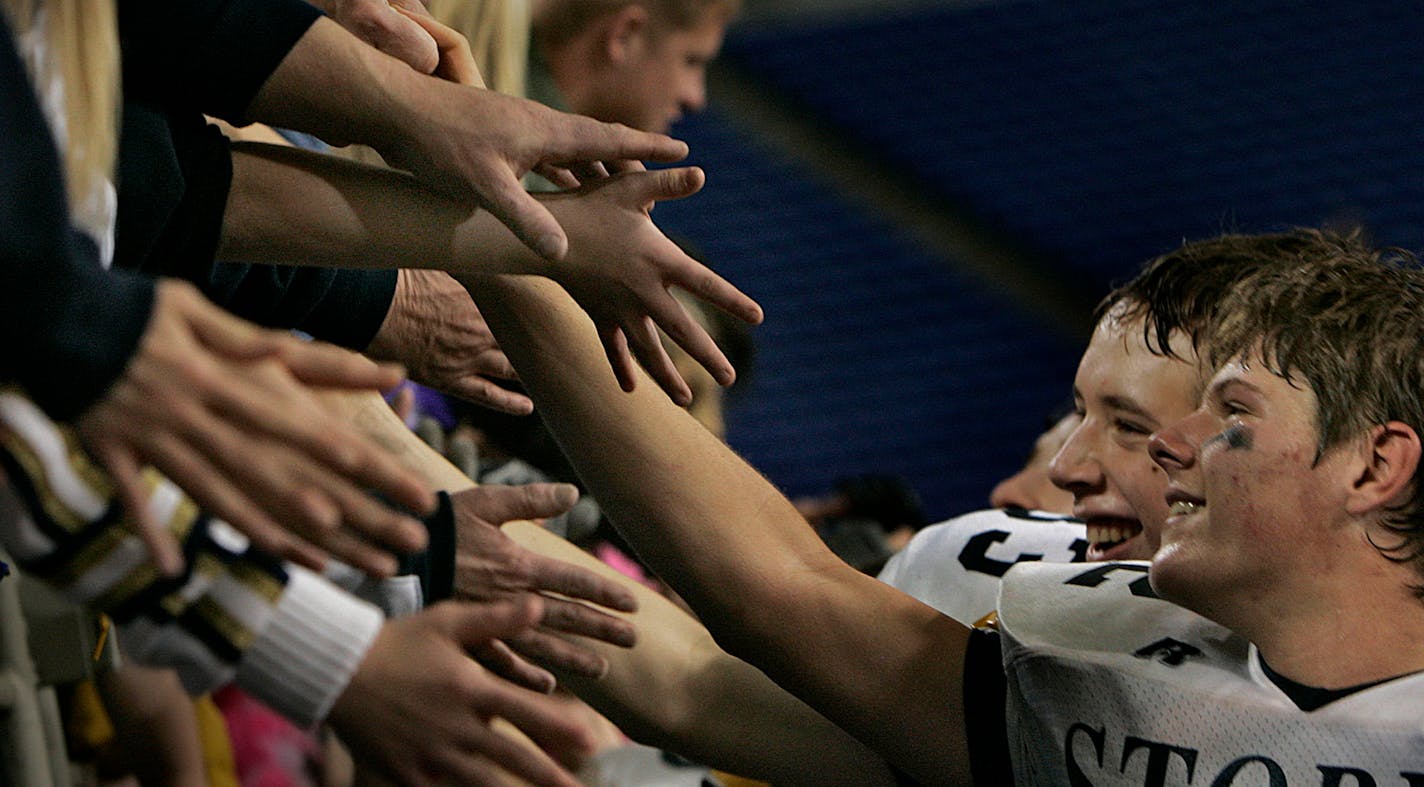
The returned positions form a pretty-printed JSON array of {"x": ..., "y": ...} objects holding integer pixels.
[{"x": 1103, "y": 133}]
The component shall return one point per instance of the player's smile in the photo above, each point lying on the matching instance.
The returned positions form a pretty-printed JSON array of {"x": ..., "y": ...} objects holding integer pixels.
[
  {"x": 1108, "y": 536},
  {"x": 1184, "y": 508},
  {"x": 1123, "y": 391}
]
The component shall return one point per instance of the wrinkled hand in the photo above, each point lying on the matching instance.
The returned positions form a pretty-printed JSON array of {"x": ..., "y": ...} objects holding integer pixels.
[
  {"x": 489, "y": 566},
  {"x": 620, "y": 267},
  {"x": 220, "y": 407},
  {"x": 434, "y": 329},
  {"x": 417, "y": 708},
  {"x": 380, "y": 24},
  {"x": 471, "y": 142}
]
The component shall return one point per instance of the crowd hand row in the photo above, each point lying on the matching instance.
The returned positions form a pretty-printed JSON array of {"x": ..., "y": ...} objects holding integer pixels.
[{"x": 220, "y": 406}]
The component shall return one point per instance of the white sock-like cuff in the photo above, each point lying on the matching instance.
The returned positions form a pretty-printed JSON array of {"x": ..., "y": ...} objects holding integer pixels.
[{"x": 307, "y": 653}]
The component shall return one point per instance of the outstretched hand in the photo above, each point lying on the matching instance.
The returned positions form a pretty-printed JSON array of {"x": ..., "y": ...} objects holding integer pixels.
[
  {"x": 489, "y": 566},
  {"x": 221, "y": 407},
  {"x": 418, "y": 708},
  {"x": 619, "y": 269}
]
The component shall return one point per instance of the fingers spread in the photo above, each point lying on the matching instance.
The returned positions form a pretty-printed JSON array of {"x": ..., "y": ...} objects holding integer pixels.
[
  {"x": 693, "y": 338},
  {"x": 615, "y": 346},
  {"x": 212, "y": 489},
  {"x": 343, "y": 460},
  {"x": 474, "y": 625},
  {"x": 647, "y": 345},
  {"x": 563, "y": 655},
  {"x": 517, "y": 757},
  {"x": 543, "y": 721},
  {"x": 697, "y": 279}
]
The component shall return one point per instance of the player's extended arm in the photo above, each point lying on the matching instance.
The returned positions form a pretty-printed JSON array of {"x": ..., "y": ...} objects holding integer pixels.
[
  {"x": 675, "y": 688},
  {"x": 883, "y": 666}
]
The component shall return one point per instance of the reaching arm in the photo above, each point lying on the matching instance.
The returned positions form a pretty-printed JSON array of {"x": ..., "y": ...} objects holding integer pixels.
[
  {"x": 881, "y": 665},
  {"x": 674, "y": 688}
]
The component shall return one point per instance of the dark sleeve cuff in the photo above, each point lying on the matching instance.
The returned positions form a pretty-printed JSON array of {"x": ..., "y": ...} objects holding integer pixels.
[
  {"x": 353, "y": 309},
  {"x": 436, "y": 565},
  {"x": 175, "y": 171},
  {"x": 441, "y": 551},
  {"x": 985, "y": 693},
  {"x": 207, "y": 55}
]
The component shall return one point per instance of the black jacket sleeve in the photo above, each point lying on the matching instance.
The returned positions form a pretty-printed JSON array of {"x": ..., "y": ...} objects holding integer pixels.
[
  {"x": 175, "y": 172},
  {"x": 69, "y": 326},
  {"x": 210, "y": 56}
]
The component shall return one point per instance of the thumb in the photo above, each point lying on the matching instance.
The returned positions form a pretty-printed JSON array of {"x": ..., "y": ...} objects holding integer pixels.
[
  {"x": 472, "y": 625},
  {"x": 535, "y": 226},
  {"x": 500, "y": 504},
  {"x": 669, "y": 184}
]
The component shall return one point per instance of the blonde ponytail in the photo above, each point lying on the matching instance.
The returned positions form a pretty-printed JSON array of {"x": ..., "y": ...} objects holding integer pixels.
[{"x": 81, "y": 46}]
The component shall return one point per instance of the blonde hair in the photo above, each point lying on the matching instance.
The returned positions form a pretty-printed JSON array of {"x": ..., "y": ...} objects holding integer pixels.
[
  {"x": 498, "y": 32},
  {"x": 81, "y": 46}
]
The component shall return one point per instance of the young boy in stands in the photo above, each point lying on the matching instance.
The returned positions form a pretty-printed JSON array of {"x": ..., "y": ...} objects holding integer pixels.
[{"x": 642, "y": 63}]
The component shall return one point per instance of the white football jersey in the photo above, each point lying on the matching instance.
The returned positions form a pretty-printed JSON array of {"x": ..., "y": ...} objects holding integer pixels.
[
  {"x": 955, "y": 566},
  {"x": 1109, "y": 685}
]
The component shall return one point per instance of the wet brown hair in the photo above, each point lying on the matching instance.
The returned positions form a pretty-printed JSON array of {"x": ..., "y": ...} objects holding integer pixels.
[{"x": 1347, "y": 320}]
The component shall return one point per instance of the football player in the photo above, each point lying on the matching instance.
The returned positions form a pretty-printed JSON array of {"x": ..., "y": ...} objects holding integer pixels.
[{"x": 1104, "y": 681}]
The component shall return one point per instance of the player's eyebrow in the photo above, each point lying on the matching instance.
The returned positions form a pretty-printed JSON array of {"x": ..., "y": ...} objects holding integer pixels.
[{"x": 1127, "y": 404}]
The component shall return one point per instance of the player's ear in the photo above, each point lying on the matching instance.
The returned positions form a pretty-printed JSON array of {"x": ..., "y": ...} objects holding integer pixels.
[
  {"x": 1389, "y": 457},
  {"x": 626, "y": 32}
]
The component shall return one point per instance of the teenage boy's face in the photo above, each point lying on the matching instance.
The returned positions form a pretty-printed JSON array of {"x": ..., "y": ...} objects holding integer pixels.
[
  {"x": 665, "y": 76},
  {"x": 1249, "y": 504},
  {"x": 1124, "y": 392}
]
